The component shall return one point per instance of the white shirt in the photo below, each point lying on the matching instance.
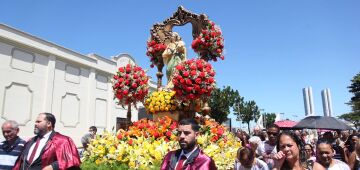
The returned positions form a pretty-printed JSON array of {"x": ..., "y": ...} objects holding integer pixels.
[
  {"x": 338, "y": 165},
  {"x": 186, "y": 155},
  {"x": 42, "y": 144},
  {"x": 258, "y": 165}
]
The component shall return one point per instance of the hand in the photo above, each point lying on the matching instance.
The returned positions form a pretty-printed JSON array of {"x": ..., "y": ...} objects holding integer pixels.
[
  {"x": 279, "y": 159},
  {"x": 49, "y": 167}
]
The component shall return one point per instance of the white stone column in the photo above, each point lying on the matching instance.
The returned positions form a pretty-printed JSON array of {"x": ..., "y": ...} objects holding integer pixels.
[
  {"x": 49, "y": 84},
  {"x": 111, "y": 122},
  {"x": 91, "y": 97}
]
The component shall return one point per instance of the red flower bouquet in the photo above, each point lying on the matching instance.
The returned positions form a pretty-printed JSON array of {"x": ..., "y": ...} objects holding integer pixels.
[
  {"x": 210, "y": 43},
  {"x": 193, "y": 79},
  {"x": 154, "y": 51},
  {"x": 130, "y": 84},
  {"x": 165, "y": 127}
]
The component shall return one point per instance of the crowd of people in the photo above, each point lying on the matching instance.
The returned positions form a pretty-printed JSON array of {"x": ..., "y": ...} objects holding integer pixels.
[
  {"x": 274, "y": 149},
  {"x": 271, "y": 149}
]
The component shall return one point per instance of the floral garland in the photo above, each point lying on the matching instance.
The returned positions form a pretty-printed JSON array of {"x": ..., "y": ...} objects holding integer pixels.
[
  {"x": 210, "y": 43},
  {"x": 130, "y": 84},
  {"x": 164, "y": 128},
  {"x": 193, "y": 79},
  {"x": 145, "y": 144},
  {"x": 154, "y": 51},
  {"x": 161, "y": 101}
]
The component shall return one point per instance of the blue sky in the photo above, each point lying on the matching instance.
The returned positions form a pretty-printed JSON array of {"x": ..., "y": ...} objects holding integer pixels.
[{"x": 273, "y": 48}]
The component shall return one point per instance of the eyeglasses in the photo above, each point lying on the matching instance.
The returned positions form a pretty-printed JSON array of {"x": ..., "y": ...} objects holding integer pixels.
[{"x": 271, "y": 133}]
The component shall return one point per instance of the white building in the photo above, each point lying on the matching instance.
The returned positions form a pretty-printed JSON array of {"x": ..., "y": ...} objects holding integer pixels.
[{"x": 39, "y": 76}]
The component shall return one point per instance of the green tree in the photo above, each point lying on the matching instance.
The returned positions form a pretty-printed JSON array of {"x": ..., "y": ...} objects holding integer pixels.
[
  {"x": 354, "y": 102},
  {"x": 269, "y": 119},
  {"x": 246, "y": 112},
  {"x": 221, "y": 101}
]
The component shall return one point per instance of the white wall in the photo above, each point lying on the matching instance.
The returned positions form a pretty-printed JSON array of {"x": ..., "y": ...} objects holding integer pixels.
[{"x": 39, "y": 76}]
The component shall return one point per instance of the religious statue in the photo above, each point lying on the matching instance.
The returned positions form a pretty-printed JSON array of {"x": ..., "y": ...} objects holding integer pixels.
[{"x": 174, "y": 54}]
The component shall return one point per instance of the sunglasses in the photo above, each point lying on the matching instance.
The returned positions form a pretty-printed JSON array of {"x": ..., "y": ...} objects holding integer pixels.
[{"x": 274, "y": 134}]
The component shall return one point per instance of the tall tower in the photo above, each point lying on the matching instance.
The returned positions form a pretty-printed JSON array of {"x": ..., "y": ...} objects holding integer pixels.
[
  {"x": 308, "y": 101},
  {"x": 326, "y": 99}
]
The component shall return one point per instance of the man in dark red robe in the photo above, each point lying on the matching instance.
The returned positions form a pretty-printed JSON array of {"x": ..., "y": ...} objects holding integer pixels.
[
  {"x": 48, "y": 149},
  {"x": 190, "y": 155}
]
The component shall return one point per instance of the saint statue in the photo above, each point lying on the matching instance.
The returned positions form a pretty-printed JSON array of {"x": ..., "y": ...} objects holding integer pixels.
[{"x": 174, "y": 54}]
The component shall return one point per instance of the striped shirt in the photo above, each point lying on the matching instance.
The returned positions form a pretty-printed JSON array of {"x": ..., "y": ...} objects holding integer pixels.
[{"x": 9, "y": 153}]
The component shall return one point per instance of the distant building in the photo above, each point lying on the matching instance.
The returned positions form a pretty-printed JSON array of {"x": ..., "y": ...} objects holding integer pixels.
[
  {"x": 308, "y": 101},
  {"x": 40, "y": 76},
  {"x": 326, "y": 100}
]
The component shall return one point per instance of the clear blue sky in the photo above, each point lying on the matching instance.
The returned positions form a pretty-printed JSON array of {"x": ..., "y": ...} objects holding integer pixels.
[{"x": 273, "y": 48}]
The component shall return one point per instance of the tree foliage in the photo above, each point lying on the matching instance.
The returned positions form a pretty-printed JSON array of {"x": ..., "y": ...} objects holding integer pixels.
[
  {"x": 269, "y": 119},
  {"x": 246, "y": 112},
  {"x": 354, "y": 102},
  {"x": 221, "y": 101}
]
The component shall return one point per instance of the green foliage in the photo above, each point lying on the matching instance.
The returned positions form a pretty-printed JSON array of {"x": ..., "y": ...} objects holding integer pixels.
[
  {"x": 353, "y": 117},
  {"x": 354, "y": 102},
  {"x": 93, "y": 166},
  {"x": 269, "y": 119},
  {"x": 221, "y": 101},
  {"x": 88, "y": 165},
  {"x": 246, "y": 111}
]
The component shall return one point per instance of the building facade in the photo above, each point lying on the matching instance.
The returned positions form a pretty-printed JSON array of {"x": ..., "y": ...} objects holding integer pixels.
[{"x": 40, "y": 76}]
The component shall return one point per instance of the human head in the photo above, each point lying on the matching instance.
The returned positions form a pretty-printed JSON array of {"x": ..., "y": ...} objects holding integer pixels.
[
  {"x": 344, "y": 135},
  {"x": 309, "y": 151},
  {"x": 351, "y": 142},
  {"x": 187, "y": 132},
  {"x": 255, "y": 141},
  {"x": 85, "y": 140},
  {"x": 10, "y": 130},
  {"x": 93, "y": 130},
  {"x": 291, "y": 145},
  {"x": 45, "y": 122},
  {"x": 328, "y": 136},
  {"x": 273, "y": 133},
  {"x": 246, "y": 156},
  {"x": 357, "y": 147},
  {"x": 324, "y": 152},
  {"x": 263, "y": 136}
]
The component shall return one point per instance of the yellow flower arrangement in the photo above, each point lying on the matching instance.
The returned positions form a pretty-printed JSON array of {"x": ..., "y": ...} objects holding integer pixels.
[
  {"x": 147, "y": 152},
  {"x": 161, "y": 101}
]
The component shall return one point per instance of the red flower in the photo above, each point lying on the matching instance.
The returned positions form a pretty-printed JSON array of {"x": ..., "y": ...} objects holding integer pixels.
[
  {"x": 209, "y": 44},
  {"x": 134, "y": 85},
  {"x": 193, "y": 73},
  {"x": 188, "y": 82},
  {"x": 186, "y": 85},
  {"x": 125, "y": 92}
]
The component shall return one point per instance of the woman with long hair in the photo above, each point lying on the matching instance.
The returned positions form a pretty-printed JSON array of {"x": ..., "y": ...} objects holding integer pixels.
[
  {"x": 354, "y": 160},
  {"x": 291, "y": 154}
]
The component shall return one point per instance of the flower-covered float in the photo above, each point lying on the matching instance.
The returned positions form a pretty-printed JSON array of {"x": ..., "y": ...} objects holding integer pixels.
[{"x": 189, "y": 85}]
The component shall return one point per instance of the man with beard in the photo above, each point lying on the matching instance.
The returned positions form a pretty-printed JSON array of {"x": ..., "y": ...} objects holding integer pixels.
[
  {"x": 190, "y": 156},
  {"x": 324, "y": 157},
  {"x": 48, "y": 149}
]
